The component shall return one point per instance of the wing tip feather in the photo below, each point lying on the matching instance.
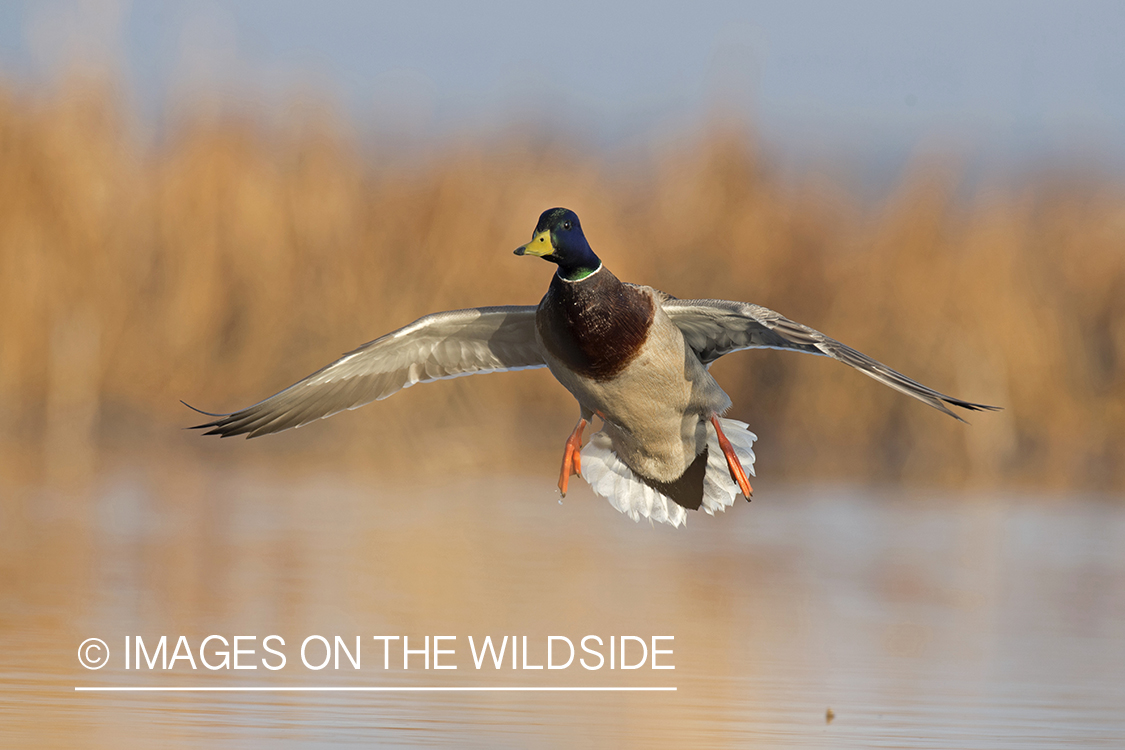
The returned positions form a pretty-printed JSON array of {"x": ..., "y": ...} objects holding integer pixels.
[
  {"x": 968, "y": 406},
  {"x": 205, "y": 413}
]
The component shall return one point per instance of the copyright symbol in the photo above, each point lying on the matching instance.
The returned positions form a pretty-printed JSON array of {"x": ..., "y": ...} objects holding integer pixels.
[{"x": 93, "y": 653}]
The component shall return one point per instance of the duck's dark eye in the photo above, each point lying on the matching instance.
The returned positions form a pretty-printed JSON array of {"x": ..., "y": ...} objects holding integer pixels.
[{"x": 566, "y": 225}]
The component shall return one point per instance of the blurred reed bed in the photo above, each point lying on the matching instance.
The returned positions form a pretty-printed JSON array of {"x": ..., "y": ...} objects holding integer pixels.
[{"x": 241, "y": 253}]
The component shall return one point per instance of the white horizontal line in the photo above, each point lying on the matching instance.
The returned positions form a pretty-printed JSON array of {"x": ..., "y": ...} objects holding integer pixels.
[{"x": 380, "y": 689}]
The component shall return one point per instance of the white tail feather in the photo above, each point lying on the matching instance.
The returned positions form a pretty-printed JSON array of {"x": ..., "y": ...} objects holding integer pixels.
[{"x": 609, "y": 477}]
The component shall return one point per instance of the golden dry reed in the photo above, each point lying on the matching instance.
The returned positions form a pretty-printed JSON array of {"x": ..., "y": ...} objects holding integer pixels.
[{"x": 237, "y": 255}]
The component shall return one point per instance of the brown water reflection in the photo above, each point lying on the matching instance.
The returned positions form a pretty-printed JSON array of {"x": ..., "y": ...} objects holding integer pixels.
[{"x": 928, "y": 621}]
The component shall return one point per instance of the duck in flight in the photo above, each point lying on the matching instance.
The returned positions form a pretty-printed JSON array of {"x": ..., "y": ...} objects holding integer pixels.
[{"x": 634, "y": 357}]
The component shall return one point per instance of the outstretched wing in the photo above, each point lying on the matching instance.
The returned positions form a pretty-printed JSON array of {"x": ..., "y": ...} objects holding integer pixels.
[
  {"x": 442, "y": 345},
  {"x": 716, "y": 327}
]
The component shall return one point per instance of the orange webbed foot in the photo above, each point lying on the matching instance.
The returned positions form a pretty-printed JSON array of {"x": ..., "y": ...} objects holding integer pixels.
[
  {"x": 572, "y": 459},
  {"x": 737, "y": 473}
]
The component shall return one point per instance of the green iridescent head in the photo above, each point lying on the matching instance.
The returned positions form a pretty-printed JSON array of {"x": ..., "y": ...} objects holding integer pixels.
[{"x": 558, "y": 238}]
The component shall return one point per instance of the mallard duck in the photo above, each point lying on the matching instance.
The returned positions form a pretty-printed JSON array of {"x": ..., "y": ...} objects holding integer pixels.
[{"x": 634, "y": 357}]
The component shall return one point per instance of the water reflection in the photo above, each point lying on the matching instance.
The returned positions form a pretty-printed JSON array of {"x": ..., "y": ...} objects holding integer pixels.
[{"x": 923, "y": 621}]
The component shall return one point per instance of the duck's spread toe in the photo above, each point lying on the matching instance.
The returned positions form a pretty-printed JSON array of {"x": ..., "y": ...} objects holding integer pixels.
[{"x": 719, "y": 488}]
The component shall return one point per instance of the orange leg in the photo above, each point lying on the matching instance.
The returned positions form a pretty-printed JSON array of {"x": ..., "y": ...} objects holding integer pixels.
[
  {"x": 572, "y": 459},
  {"x": 737, "y": 473}
]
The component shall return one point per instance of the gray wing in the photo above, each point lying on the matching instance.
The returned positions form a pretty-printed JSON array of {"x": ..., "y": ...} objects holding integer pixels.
[
  {"x": 716, "y": 327},
  {"x": 442, "y": 345}
]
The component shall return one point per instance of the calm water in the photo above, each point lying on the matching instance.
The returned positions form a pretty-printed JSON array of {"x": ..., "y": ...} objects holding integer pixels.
[{"x": 921, "y": 621}]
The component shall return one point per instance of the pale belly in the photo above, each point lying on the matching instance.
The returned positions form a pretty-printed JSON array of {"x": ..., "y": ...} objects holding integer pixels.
[{"x": 657, "y": 408}]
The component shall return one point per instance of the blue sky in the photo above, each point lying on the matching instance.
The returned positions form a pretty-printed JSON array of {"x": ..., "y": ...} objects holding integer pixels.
[{"x": 1014, "y": 79}]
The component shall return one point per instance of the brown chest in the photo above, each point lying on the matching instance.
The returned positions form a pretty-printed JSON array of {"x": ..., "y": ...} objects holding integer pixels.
[{"x": 595, "y": 326}]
